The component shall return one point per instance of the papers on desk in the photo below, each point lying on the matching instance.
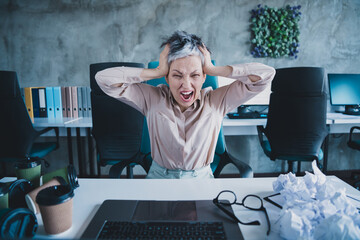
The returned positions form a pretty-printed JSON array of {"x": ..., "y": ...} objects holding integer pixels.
[{"x": 313, "y": 209}]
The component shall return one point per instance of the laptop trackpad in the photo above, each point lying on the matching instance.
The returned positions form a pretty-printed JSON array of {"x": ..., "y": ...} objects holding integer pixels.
[{"x": 165, "y": 210}]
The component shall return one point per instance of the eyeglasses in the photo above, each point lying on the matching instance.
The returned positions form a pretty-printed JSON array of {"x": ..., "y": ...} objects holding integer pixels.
[{"x": 252, "y": 202}]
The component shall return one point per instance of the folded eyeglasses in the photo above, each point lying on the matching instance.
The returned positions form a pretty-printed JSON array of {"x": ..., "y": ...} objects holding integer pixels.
[{"x": 252, "y": 202}]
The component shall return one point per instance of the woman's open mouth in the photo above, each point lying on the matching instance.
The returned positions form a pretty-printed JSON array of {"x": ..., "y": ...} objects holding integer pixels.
[{"x": 186, "y": 96}]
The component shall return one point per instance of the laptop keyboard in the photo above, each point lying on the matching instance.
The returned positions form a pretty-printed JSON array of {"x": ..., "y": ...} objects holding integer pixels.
[{"x": 162, "y": 230}]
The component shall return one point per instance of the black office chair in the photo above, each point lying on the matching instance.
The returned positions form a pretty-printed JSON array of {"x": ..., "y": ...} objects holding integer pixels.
[
  {"x": 354, "y": 143},
  {"x": 296, "y": 122},
  {"x": 222, "y": 157},
  {"x": 17, "y": 134},
  {"x": 117, "y": 127}
]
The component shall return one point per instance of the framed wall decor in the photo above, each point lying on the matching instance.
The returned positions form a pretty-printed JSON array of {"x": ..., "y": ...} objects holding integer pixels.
[{"x": 275, "y": 31}]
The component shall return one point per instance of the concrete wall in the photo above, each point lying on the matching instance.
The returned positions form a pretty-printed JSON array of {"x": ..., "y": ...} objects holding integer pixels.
[{"x": 52, "y": 43}]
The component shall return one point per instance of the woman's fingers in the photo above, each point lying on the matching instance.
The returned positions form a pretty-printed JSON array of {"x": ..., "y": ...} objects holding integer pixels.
[
  {"x": 163, "y": 61},
  {"x": 207, "y": 58}
]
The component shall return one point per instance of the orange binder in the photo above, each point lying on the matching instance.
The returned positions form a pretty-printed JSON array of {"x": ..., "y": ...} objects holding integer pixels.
[{"x": 28, "y": 101}]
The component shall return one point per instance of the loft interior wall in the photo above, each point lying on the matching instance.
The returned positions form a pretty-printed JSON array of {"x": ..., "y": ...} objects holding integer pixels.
[{"x": 53, "y": 42}]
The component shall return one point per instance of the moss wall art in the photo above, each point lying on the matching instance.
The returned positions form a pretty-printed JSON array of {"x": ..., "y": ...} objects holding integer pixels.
[{"x": 275, "y": 31}]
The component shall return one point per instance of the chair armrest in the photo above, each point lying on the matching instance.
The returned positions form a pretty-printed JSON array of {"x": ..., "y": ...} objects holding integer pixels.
[
  {"x": 42, "y": 131},
  {"x": 116, "y": 170},
  {"x": 261, "y": 133},
  {"x": 243, "y": 168},
  {"x": 352, "y": 131}
]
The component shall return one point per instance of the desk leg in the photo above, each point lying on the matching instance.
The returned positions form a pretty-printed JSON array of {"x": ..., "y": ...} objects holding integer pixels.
[
  {"x": 80, "y": 152},
  {"x": 70, "y": 150},
  {"x": 91, "y": 152}
]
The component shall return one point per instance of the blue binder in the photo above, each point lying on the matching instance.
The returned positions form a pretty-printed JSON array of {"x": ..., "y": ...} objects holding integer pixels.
[
  {"x": 84, "y": 102},
  {"x": 57, "y": 103},
  {"x": 50, "y": 102}
]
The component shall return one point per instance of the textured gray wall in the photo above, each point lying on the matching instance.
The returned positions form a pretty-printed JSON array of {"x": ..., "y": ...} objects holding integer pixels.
[{"x": 52, "y": 43}]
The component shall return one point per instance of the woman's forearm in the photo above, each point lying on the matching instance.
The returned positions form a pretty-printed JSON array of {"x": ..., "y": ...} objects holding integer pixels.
[
  {"x": 148, "y": 74},
  {"x": 115, "y": 77},
  {"x": 222, "y": 71},
  {"x": 256, "y": 72}
]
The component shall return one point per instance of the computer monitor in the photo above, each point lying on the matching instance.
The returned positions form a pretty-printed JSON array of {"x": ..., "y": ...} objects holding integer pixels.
[
  {"x": 345, "y": 90},
  {"x": 261, "y": 99}
]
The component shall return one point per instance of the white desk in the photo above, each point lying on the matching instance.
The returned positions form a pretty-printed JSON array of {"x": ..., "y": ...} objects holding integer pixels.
[
  {"x": 235, "y": 127},
  {"x": 337, "y": 122},
  {"x": 341, "y": 123},
  {"x": 69, "y": 127},
  {"x": 92, "y": 192},
  {"x": 63, "y": 124}
]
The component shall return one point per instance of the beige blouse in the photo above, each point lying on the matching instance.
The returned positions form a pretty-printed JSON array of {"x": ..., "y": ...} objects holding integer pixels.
[{"x": 184, "y": 140}]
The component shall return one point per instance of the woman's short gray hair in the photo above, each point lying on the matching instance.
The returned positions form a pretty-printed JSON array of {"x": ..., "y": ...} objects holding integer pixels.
[{"x": 183, "y": 44}]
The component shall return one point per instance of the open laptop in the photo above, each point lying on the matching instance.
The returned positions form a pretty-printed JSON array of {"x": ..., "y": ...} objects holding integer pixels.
[{"x": 174, "y": 213}]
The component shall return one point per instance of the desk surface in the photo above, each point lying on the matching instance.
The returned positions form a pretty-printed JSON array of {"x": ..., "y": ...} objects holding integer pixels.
[
  {"x": 338, "y": 122},
  {"x": 332, "y": 118},
  {"x": 62, "y": 122},
  {"x": 92, "y": 192}
]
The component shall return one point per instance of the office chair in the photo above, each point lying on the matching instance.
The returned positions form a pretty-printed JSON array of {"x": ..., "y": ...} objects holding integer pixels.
[
  {"x": 222, "y": 157},
  {"x": 17, "y": 134},
  {"x": 296, "y": 122},
  {"x": 354, "y": 144},
  {"x": 117, "y": 127}
]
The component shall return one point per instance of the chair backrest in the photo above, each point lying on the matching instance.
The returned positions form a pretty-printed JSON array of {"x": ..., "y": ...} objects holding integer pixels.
[
  {"x": 16, "y": 130},
  {"x": 117, "y": 127},
  {"x": 210, "y": 81},
  {"x": 296, "y": 122}
]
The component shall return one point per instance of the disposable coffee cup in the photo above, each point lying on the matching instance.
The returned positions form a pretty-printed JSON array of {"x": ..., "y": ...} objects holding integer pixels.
[
  {"x": 4, "y": 195},
  {"x": 30, "y": 198},
  {"x": 68, "y": 173},
  {"x": 29, "y": 169},
  {"x": 56, "y": 204}
]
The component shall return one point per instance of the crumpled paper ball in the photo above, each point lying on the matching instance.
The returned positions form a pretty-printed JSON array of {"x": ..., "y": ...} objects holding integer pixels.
[{"x": 314, "y": 209}]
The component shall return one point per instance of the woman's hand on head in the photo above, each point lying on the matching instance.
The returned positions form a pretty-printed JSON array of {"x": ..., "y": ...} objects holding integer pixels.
[
  {"x": 159, "y": 72},
  {"x": 208, "y": 66},
  {"x": 212, "y": 70},
  {"x": 163, "y": 67}
]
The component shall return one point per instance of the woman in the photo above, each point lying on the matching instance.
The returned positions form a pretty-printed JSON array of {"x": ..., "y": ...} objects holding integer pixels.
[{"x": 184, "y": 120}]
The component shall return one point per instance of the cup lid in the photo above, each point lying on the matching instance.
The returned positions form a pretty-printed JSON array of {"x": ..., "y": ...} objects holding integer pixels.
[
  {"x": 28, "y": 163},
  {"x": 72, "y": 176},
  {"x": 55, "y": 195},
  {"x": 61, "y": 180},
  {"x": 17, "y": 191}
]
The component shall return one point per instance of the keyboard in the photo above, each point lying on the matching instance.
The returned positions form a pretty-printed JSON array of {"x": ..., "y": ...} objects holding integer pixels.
[
  {"x": 162, "y": 230},
  {"x": 247, "y": 115}
]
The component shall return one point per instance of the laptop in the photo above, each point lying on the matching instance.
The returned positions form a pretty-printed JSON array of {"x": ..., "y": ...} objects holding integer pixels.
[{"x": 175, "y": 213}]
